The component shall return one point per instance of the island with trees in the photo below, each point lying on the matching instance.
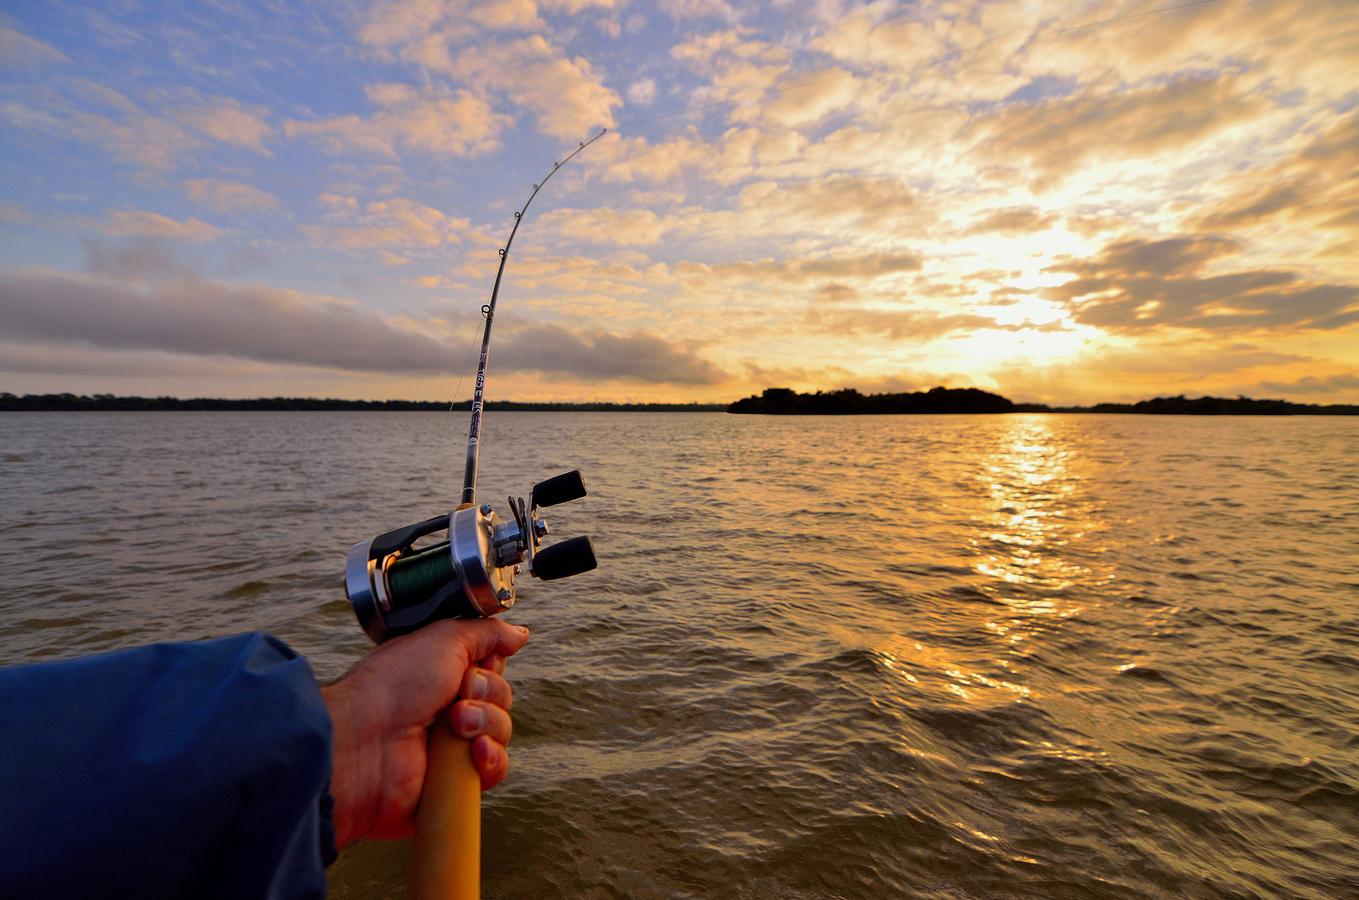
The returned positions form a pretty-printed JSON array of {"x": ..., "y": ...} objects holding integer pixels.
[{"x": 785, "y": 402}]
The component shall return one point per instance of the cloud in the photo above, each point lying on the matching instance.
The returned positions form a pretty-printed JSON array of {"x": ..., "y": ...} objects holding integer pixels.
[
  {"x": 804, "y": 99},
  {"x": 842, "y": 199},
  {"x": 1011, "y": 220},
  {"x": 698, "y": 9},
  {"x": 395, "y": 21},
  {"x": 67, "y": 360},
  {"x": 896, "y": 324},
  {"x": 102, "y": 116},
  {"x": 863, "y": 37},
  {"x": 1315, "y": 188},
  {"x": 596, "y": 355},
  {"x": 229, "y": 196},
  {"x": 20, "y": 51},
  {"x": 231, "y": 123},
  {"x": 1057, "y": 137},
  {"x": 573, "y": 7},
  {"x": 1134, "y": 285},
  {"x": 198, "y": 317},
  {"x": 91, "y": 111},
  {"x": 642, "y": 93},
  {"x": 1312, "y": 384},
  {"x": 398, "y": 223},
  {"x": 622, "y": 227},
  {"x": 422, "y": 121},
  {"x": 836, "y": 293},
  {"x": 1151, "y": 366},
  {"x": 149, "y": 224},
  {"x": 519, "y": 15},
  {"x": 138, "y": 259},
  {"x": 566, "y": 94},
  {"x": 797, "y": 271}
]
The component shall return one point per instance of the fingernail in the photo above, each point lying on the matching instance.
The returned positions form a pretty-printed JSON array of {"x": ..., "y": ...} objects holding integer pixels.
[
  {"x": 521, "y": 629},
  {"x": 480, "y": 688},
  {"x": 473, "y": 718}
]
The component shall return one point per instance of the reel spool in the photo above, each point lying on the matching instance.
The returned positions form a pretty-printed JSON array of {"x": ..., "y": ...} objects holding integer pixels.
[{"x": 395, "y": 588}]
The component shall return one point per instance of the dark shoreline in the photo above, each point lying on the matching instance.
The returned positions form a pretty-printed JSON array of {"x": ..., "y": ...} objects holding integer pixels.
[
  {"x": 774, "y": 401},
  {"x": 940, "y": 400},
  {"x": 110, "y": 403}
]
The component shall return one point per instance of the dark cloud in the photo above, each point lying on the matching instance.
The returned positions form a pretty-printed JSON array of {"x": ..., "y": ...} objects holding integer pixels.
[
  {"x": 138, "y": 259},
  {"x": 199, "y": 317},
  {"x": 1136, "y": 285},
  {"x": 1314, "y": 385},
  {"x": 603, "y": 355},
  {"x": 1258, "y": 205},
  {"x": 193, "y": 316}
]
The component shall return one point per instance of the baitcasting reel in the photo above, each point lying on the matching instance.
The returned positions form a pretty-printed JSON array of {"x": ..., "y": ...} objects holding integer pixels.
[{"x": 395, "y": 588}]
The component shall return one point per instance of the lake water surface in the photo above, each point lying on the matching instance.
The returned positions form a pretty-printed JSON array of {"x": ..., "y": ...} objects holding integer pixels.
[{"x": 952, "y": 656}]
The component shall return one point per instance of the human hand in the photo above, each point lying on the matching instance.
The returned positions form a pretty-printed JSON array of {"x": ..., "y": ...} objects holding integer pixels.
[{"x": 381, "y": 713}]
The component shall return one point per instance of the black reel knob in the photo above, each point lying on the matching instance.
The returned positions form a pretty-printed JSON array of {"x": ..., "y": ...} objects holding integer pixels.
[
  {"x": 565, "y": 558},
  {"x": 558, "y": 489}
]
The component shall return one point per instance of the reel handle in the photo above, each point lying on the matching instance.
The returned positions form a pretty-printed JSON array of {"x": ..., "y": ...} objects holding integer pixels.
[
  {"x": 564, "y": 559},
  {"x": 561, "y": 488}
]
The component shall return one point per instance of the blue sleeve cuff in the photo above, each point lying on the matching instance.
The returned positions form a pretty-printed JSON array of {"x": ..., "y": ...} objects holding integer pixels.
[{"x": 195, "y": 769}]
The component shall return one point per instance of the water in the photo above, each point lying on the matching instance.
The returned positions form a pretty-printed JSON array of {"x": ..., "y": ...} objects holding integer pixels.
[{"x": 826, "y": 657}]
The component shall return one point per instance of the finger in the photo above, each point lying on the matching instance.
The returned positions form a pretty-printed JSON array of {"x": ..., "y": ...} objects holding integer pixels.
[
  {"x": 473, "y": 718},
  {"x": 492, "y": 761},
  {"x": 481, "y": 638},
  {"x": 495, "y": 663},
  {"x": 483, "y": 684}
]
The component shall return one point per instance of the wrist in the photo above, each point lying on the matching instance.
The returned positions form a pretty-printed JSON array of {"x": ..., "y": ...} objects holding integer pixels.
[{"x": 352, "y": 772}]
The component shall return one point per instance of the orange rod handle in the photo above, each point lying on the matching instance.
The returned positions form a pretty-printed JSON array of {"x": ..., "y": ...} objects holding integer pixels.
[{"x": 446, "y": 855}]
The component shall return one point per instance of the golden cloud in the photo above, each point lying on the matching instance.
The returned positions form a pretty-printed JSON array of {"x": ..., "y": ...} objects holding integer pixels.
[
  {"x": 455, "y": 124},
  {"x": 398, "y": 223},
  {"x": 1055, "y": 138}
]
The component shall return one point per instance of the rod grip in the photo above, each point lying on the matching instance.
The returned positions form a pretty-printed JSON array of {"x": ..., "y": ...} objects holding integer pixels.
[{"x": 446, "y": 853}]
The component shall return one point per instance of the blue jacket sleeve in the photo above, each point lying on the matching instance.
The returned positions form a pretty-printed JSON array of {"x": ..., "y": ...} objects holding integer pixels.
[{"x": 175, "y": 770}]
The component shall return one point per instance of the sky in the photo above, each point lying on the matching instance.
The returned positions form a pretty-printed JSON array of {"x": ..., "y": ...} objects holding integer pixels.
[{"x": 1064, "y": 202}]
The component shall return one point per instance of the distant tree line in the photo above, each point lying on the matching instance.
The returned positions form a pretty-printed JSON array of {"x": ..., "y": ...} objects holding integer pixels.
[
  {"x": 110, "y": 403},
  {"x": 773, "y": 401},
  {"x": 782, "y": 401}
]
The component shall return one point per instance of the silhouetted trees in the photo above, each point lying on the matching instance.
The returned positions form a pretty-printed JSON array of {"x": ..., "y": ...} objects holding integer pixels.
[
  {"x": 773, "y": 401},
  {"x": 110, "y": 403},
  {"x": 782, "y": 401}
]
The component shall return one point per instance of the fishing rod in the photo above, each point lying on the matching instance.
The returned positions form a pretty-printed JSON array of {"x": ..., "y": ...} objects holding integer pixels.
[
  {"x": 468, "y": 572},
  {"x": 469, "y": 478}
]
